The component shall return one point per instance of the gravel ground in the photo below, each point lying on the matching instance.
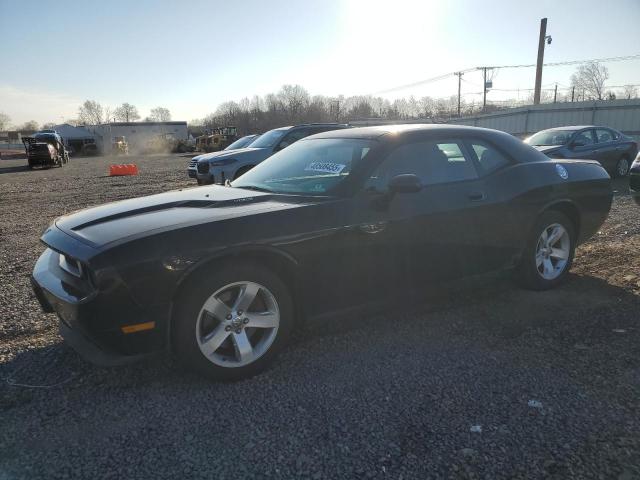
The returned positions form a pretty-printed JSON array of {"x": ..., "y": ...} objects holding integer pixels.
[{"x": 482, "y": 380}]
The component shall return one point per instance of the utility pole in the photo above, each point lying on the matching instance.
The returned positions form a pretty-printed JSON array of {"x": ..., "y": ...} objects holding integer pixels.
[
  {"x": 555, "y": 93},
  {"x": 573, "y": 92},
  {"x": 335, "y": 106},
  {"x": 484, "y": 88},
  {"x": 459, "y": 74},
  {"x": 541, "y": 40}
]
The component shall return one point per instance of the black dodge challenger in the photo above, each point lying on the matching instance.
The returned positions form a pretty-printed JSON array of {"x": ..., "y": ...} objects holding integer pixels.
[{"x": 219, "y": 275}]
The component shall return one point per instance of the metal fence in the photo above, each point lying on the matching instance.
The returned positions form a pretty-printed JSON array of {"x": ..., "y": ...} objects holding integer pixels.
[{"x": 623, "y": 115}]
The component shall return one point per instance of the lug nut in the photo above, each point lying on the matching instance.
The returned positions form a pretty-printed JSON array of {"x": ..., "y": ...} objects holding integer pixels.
[
  {"x": 238, "y": 330},
  {"x": 239, "y": 312},
  {"x": 245, "y": 321},
  {"x": 227, "y": 328},
  {"x": 229, "y": 317}
]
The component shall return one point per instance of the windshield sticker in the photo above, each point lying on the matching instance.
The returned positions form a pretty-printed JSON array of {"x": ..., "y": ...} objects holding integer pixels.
[{"x": 325, "y": 167}]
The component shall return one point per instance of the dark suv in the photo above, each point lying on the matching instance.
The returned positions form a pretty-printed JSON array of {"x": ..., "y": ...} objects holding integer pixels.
[
  {"x": 230, "y": 165},
  {"x": 612, "y": 149}
]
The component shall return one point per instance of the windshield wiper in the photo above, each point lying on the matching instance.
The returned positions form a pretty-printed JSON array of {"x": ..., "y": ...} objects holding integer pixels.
[{"x": 256, "y": 188}]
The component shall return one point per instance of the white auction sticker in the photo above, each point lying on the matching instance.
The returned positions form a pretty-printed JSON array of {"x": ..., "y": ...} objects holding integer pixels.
[{"x": 325, "y": 167}]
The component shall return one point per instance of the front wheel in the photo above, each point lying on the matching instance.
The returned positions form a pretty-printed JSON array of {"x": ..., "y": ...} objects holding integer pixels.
[
  {"x": 232, "y": 323},
  {"x": 548, "y": 253}
]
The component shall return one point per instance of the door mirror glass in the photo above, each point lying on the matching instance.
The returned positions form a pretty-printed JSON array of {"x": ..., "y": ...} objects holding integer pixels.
[{"x": 405, "y": 183}]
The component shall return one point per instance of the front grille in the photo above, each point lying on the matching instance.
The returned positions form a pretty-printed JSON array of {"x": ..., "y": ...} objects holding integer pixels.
[
  {"x": 193, "y": 163},
  {"x": 203, "y": 167}
]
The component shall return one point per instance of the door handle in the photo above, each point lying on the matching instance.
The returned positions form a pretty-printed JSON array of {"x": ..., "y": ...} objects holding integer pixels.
[{"x": 476, "y": 196}]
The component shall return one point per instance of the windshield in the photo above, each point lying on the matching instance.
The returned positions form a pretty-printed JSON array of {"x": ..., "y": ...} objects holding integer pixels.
[
  {"x": 550, "y": 137},
  {"x": 241, "y": 142},
  {"x": 309, "y": 167},
  {"x": 268, "y": 139}
]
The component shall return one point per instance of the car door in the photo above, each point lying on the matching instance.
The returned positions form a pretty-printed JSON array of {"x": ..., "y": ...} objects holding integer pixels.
[
  {"x": 582, "y": 145},
  {"x": 426, "y": 236},
  {"x": 606, "y": 152}
]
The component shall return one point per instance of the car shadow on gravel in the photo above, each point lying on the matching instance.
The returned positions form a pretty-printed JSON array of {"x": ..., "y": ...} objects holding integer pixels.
[
  {"x": 14, "y": 169},
  {"x": 488, "y": 311}
]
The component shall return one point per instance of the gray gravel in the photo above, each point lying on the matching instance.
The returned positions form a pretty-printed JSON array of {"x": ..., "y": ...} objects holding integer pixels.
[{"x": 552, "y": 379}]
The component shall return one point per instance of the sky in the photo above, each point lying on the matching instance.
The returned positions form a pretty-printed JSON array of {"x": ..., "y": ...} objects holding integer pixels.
[{"x": 190, "y": 56}]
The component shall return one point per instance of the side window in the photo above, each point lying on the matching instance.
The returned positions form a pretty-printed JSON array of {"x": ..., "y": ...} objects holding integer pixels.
[
  {"x": 603, "y": 135},
  {"x": 292, "y": 137},
  {"x": 434, "y": 162},
  {"x": 584, "y": 138},
  {"x": 489, "y": 158}
]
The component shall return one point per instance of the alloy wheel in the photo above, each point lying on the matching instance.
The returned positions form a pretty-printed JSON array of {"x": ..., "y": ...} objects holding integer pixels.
[
  {"x": 623, "y": 167},
  {"x": 237, "y": 324},
  {"x": 552, "y": 251}
]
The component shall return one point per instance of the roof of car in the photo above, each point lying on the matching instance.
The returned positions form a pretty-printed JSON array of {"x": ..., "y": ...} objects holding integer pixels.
[
  {"x": 572, "y": 127},
  {"x": 336, "y": 125},
  {"x": 383, "y": 130}
]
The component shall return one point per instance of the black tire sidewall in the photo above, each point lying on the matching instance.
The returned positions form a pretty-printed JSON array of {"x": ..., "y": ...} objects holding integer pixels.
[
  {"x": 616, "y": 172},
  {"x": 527, "y": 271},
  {"x": 193, "y": 296}
]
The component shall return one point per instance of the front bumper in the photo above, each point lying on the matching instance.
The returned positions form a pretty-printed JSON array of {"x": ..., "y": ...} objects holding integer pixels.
[{"x": 91, "y": 321}]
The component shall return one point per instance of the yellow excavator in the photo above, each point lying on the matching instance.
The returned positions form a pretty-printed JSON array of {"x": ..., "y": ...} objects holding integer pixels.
[
  {"x": 119, "y": 146},
  {"x": 219, "y": 139}
]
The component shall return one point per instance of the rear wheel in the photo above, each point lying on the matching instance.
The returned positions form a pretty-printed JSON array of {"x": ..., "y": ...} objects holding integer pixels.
[
  {"x": 231, "y": 324},
  {"x": 622, "y": 167},
  {"x": 549, "y": 251}
]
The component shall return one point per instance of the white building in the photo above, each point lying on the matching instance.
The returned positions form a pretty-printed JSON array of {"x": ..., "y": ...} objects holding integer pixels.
[
  {"x": 138, "y": 134},
  {"x": 79, "y": 139}
]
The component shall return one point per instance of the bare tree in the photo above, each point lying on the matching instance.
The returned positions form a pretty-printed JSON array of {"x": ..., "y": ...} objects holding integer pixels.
[
  {"x": 30, "y": 125},
  {"x": 629, "y": 91},
  {"x": 90, "y": 113},
  {"x": 4, "y": 121},
  {"x": 160, "y": 114},
  {"x": 294, "y": 99},
  {"x": 591, "y": 78},
  {"x": 48, "y": 125},
  {"x": 126, "y": 113}
]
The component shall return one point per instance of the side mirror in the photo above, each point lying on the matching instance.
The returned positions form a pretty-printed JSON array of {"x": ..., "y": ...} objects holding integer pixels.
[
  {"x": 405, "y": 183},
  {"x": 576, "y": 143}
]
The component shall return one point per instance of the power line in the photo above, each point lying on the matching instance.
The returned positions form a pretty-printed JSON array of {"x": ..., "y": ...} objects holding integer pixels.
[{"x": 550, "y": 64}]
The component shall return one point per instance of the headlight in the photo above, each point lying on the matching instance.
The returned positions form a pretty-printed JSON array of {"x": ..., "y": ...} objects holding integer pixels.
[{"x": 223, "y": 163}]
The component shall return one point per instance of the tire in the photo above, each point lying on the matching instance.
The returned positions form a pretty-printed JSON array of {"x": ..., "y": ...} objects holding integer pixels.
[
  {"x": 242, "y": 171},
  {"x": 195, "y": 330},
  {"x": 200, "y": 182},
  {"x": 622, "y": 168},
  {"x": 542, "y": 267}
]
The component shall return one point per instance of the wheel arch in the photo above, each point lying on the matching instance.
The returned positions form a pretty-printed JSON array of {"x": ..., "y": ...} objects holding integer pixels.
[
  {"x": 280, "y": 262},
  {"x": 568, "y": 208},
  {"x": 242, "y": 170}
]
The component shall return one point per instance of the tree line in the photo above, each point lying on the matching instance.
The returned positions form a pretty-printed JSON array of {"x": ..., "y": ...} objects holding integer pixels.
[{"x": 293, "y": 104}]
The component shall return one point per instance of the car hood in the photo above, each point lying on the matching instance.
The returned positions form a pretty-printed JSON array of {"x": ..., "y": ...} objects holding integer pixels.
[
  {"x": 241, "y": 154},
  {"x": 117, "y": 222},
  {"x": 547, "y": 148}
]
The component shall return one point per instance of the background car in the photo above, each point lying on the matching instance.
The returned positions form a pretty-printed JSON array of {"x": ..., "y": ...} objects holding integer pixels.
[
  {"x": 335, "y": 222},
  {"x": 192, "y": 169},
  {"x": 614, "y": 150},
  {"x": 230, "y": 165}
]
